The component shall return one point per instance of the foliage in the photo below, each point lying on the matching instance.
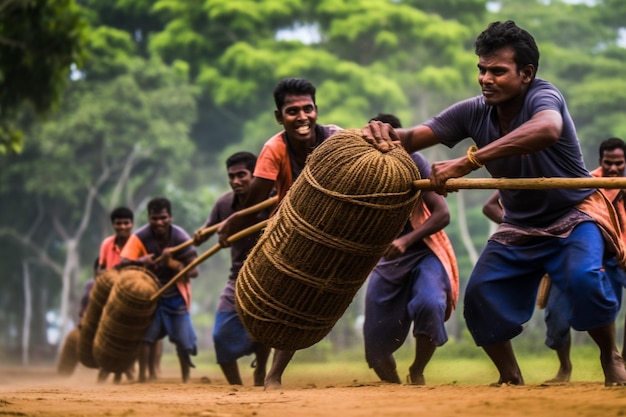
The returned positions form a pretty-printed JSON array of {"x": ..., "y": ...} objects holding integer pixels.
[
  {"x": 111, "y": 143},
  {"x": 39, "y": 43}
]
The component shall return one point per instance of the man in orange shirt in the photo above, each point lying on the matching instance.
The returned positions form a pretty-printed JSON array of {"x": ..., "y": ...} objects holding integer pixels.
[
  {"x": 122, "y": 221},
  {"x": 280, "y": 162},
  {"x": 111, "y": 247},
  {"x": 172, "y": 318}
]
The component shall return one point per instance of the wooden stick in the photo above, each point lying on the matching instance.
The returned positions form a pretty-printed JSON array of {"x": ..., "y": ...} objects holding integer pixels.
[
  {"x": 212, "y": 229},
  {"x": 245, "y": 232},
  {"x": 454, "y": 184}
]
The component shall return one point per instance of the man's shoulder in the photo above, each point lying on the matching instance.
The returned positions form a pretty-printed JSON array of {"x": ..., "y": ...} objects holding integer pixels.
[
  {"x": 329, "y": 130},
  {"x": 275, "y": 140},
  {"x": 178, "y": 233},
  {"x": 142, "y": 231},
  {"x": 107, "y": 241},
  {"x": 226, "y": 198},
  {"x": 224, "y": 204},
  {"x": 541, "y": 86}
]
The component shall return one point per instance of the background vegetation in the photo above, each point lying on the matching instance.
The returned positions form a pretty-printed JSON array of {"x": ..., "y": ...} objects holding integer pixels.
[{"x": 111, "y": 103}]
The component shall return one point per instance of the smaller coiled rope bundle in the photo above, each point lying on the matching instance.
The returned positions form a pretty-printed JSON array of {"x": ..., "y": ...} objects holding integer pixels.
[
  {"x": 125, "y": 319},
  {"x": 91, "y": 318},
  {"x": 68, "y": 359},
  {"x": 339, "y": 217},
  {"x": 543, "y": 293}
]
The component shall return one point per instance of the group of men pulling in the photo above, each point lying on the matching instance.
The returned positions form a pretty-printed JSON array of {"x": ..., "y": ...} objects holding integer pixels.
[{"x": 521, "y": 128}]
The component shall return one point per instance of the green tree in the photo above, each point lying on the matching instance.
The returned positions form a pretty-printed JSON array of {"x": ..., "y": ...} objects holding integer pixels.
[
  {"x": 112, "y": 142},
  {"x": 39, "y": 43}
]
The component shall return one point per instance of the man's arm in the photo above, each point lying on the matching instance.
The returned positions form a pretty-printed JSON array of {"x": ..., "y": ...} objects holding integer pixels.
[
  {"x": 386, "y": 137},
  {"x": 134, "y": 253},
  {"x": 492, "y": 208},
  {"x": 438, "y": 220},
  {"x": 541, "y": 131},
  {"x": 260, "y": 189},
  {"x": 199, "y": 236},
  {"x": 177, "y": 265}
]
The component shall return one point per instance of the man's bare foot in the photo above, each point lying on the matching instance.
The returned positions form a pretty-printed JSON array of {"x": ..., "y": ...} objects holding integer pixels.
[
  {"x": 518, "y": 381},
  {"x": 143, "y": 379},
  {"x": 272, "y": 383},
  {"x": 416, "y": 379},
  {"x": 563, "y": 375},
  {"x": 259, "y": 377},
  {"x": 387, "y": 374},
  {"x": 614, "y": 370}
]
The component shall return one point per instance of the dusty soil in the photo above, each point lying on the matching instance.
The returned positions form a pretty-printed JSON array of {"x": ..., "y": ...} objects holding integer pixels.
[{"x": 40, "y": 392}]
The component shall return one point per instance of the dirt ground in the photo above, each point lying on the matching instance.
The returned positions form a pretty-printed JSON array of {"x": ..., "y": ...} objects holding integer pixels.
[{"x": 40, "y": 392}]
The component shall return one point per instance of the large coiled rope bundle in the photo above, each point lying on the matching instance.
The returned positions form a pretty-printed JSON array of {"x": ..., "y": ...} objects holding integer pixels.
[
  {"x": 339, "y": 217},
  {"x": 68, "y": 359},
  {"x": 125, "y": 319},
  {"x": 91, "y": 318}
]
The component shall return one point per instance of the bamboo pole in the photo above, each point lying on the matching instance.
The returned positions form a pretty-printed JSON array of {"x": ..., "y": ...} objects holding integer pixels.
[
  {"x": 212, "y": 229},
  {"x": 455, "y": 184},
  {"x": 243, "y": 233}
]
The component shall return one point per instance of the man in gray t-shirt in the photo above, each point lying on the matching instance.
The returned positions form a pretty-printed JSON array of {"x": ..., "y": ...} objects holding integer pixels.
[
  {"x": 522, "y": 129},
  {"x": 230, "y": 338}
]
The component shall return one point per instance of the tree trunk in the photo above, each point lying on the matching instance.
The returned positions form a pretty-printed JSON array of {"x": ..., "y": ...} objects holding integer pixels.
[
  {"x": 28, "y": 310},
  {"x": 69, "y": 280}
]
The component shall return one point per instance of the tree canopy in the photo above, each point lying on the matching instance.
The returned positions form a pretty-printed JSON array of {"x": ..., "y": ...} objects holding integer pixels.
[{"x": 40, "y": 42}]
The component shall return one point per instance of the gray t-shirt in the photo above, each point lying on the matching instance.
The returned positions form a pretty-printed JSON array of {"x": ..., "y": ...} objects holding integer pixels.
[{"x": 536, "y": 208}]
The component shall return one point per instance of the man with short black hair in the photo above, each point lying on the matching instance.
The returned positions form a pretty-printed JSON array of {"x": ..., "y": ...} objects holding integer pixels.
[
  {"x": 280, "y": 162},
  {"x": 522, "y": 129},
  {"x": 171, "y": 317},
  {"x": 230, "y": 337}
]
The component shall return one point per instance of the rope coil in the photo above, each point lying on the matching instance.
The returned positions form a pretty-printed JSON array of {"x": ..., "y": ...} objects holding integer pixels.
[
  {"x": 91, "y": 319},
  {"x": 125, "y": 319},
  {"x": 332, "y": 227}
]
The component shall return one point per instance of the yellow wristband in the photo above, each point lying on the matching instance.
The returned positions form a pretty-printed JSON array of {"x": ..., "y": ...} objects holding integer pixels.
[{"x": 472, "y": 158}]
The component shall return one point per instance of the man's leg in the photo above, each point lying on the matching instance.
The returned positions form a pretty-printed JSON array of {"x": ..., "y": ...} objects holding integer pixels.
[
  {"x": 386, "y": 324},
  {"x": 499, "y": 297},
  {"x": 261, "y": 353},
  {"x": 424, "y": 350},
  {"x": 151, "y": 355},
  {"x": 558, "y": 332},
  {"x": 427, "y": 310},
  {"x": 130, "y": 372},
  {"x": 592, "y": 294},
  {"x": 611, "y": 360},
  {"x": 231, "y": 372},
  {"x": 624, "y": 340},
  {"x": 232, "y": 341},
  {"x": 503, "y": 358},
  {"x": 144, "y": 357},
  {"x": 565, "y": 364},
  {"x": 185, "y": 363},
  {"x": 386, "y": 370},
  {"x": 102, "y": 375},
  {"x": 273, "y": 380},
  {"x": 157, "y": 356}
]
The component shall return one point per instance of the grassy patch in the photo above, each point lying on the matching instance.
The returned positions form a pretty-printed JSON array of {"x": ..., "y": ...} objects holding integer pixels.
[{"x": 454, "y": 363}]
